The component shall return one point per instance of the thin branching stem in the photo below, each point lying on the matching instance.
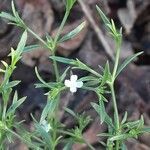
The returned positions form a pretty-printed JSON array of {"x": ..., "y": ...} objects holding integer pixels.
[
  {"x": 36, "y": 36},
  {"x": 60, "y": 29},
  {"x": 116, "y": 114}
]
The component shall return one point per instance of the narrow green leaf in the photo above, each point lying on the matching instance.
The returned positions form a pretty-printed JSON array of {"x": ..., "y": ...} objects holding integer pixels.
[
  {"x": 94, "y": 83},
  {"x": 103, "y": 98},
  {"x": 49, "y": 39},
  {"x": 64, "y": 74},
  {"x": 106, "y": 75},
  {"x": 88, "y": 78},
  {"x": 12, "y": 84},
  {"x": 103, "y": 16},
  {"x": 49, "y": 108},
  {"x": 70, "y": 112},
  {"x": 7, "y": 16},
  {"x": 22, "y": 42},
  {"x": 31, "y": 48},
  {"x": 15, "y": 97},
  {"x": 133, "y": 124},
  {"x": 104, "y": 135},
  {"x": 40, "y": 78},
  {"x": 120, "y": 137},
  {"x": 63, "y": 60},
  {"x": 14, "y": 106},
  {"x": 83, "y": 66},
  {"x": 127, "y": 61},
  {"x": 29, "y": 143},
  {"x": 103, "y": 143},
  {"x": 107, "y": 119},
  {"x": 46, "y": 136},
  {"x": 113, "y": 27},
  {"x": 49, "y": 84},
  {"x": 100, "y": 109},
  {"x": 2, "y": 71},
  {"x": 124, "y": 118},
  {"x": 13, "y": 8},
  {"x": 19, "y": 21},
  {"x": 69, "y": 4},
  {"x": 53, "y": 93},
  {"x": 73, "y": 33}
]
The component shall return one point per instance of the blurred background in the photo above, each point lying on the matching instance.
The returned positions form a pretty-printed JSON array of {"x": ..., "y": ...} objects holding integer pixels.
[{"x": 92, "y": 46}]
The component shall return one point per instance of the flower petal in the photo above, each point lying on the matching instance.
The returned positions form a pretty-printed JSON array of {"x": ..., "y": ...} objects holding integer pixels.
[
  {"x": 73, "y": 78},
  {"x": 79, "y": 84},
  {"x": 73, "y": 89},
  {"x": 67, "y": 83}
]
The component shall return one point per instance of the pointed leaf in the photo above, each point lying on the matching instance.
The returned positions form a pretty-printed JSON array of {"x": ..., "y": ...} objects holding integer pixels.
[
  {"x": 126, "y": 62},
  {"x": 100, "y": 109},
  {"x": 14, "y": 106},
  {"x": 103, "y": 16},
  {"x": 46, "y": 136},
  {"x": 63, "y": 60},
  {"x": 64, "y": 74},
  {"x": 88, "y": 78},
  {"x": 30, "y": 48},
  {"x": 40, "y": 78},
  {"x": 69, "y": 4},
  {"x": 12, "y": 84},
  {"x": 120, "y": 137},
  {"x": 7, "y": 16},
  {"x": 49, "y": 108},
  {"x": 73, "y": 33},
  {"x": 13, "y": 8},
  {"x": 107, "y": 119},
  {"x": 106, "y": 75},
  {"x": 22, "y": 42},
  {"x": 70, "y": 112},
  {"x": 124, "y": 118},
  {"x": 15, "y": 97}
]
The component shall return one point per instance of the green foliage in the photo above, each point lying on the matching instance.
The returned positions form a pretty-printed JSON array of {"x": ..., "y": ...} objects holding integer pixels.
[
  {"x": 69, "y": 4},
  {"x": 7, "y": 114},
  {"x": 73, "y": 33},
  {"x": 126, "y": 62},
  {"x": 49, "y": 131}
]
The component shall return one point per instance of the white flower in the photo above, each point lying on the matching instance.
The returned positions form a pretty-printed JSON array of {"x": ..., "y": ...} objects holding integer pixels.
[
  {"x": 73, "y": 84},
  {"x": 45, "y": 125}
]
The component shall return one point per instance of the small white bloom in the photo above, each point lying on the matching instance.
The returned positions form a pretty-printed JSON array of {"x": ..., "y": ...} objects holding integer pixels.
[
  {"x": 46, "y": 126},
  {"x": 73, "y": 84}
]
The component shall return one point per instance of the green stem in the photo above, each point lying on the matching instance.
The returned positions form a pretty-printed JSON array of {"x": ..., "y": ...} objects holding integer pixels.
[
  {"x": 115, "y": 105},
  {"x": 55, "y": 44},
  {"x": 56, "y": 69},
  {"x": 4, "y": 111},
  {"x": 36, "y": 36},
  {"x": 54, "y": 51},
  {"x": 60, "y": 29},
  {"x": 116, "y": 115},
  {"x": 116, "y": 62}
]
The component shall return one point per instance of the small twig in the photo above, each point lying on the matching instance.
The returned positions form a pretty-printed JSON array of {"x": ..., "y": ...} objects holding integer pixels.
[{"x": 97, "y": 30}]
